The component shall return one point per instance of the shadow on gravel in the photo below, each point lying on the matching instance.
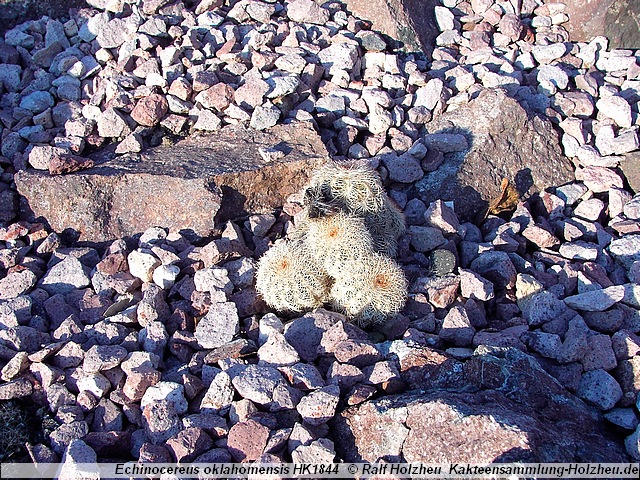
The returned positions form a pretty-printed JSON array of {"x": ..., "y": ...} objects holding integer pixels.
[{"x": 15, "y": 12}]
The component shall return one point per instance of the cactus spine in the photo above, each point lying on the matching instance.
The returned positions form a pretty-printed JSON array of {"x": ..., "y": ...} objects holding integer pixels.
[
  {"x": 374, "y": 288},
  {"x": 337, "y": 240},
  {"x": 289, "y": 280}
]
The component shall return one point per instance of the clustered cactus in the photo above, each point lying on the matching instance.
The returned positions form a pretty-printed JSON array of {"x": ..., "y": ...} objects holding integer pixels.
[{"x": 341, "y": 250}]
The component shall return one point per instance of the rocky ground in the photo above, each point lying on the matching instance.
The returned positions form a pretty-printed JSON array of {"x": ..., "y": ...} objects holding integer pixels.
[{"x": 519, "y": 339}]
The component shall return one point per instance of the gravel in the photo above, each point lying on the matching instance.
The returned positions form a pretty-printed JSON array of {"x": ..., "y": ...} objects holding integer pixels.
[{"x": 148, "y": 335}]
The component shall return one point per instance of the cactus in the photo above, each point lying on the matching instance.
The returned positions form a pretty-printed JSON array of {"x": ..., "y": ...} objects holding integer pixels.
[
  {"x": 288, "y": 279},
  {"x": 340, "y": 250},
  {"x": 371, "y": 289},
  {"x": 385, "y": 227},
  {"x": 337, "y": 240},
  {"x": 357, "y": 190}
]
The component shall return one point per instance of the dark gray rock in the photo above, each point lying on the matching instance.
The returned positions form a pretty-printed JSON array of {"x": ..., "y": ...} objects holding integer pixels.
[
  {"x": 411, "y": 23},
  {"x": 618, "y": 20},
  {"x": 472, "y": 178}
]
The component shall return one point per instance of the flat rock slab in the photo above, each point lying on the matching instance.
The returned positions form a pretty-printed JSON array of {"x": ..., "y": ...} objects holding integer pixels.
[
  {"x": 504, "y": 407},
  {"x": 183, "y": 186},
  {"x": 505, "y": 142}
]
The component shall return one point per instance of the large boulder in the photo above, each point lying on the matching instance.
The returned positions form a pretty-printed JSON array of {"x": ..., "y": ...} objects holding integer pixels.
[
  {"x": 183, "y": 186},
  {"x": 410, "y": 22},
  {"x": 503, "y": 408},
  {"x": 618, "y": 20},
  {"x": 505, "y": 141}
]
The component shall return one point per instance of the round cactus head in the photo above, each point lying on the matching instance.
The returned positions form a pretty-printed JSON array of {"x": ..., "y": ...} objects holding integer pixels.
[
  {"x": 352, "y": 189},
  {"x": 338, "y": 240},
  {"x": 370, "y": 289},
  {"x": 290, "y": 280}
]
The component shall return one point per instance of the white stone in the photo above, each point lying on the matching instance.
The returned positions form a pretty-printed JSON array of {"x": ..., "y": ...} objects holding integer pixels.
[
  {"x": 589, "y": 157},
  {"x": 213, "y": 279},
  {"x": 277, "y": 351},
  {"x": 379, "y": 120},
  {"x": 548, "y": 53},
  {"x": 165, "y": 276},
  {"x": 219, "y": 396},
  {"x": 617, "y": 109},
  {"x": 525, "y": 61},
  {"x": 95, "y": 383},
  {"x": 268, "y": 325},
  {"x": 339, "y": 56},
  {"x": 554, "y": 75},
  {"x": 429, "y": 95},
  {"x": 618, "y": 198},
  {"x": 590, "y": 209},
  {"x": 444, "y": 18},
  {"x": 169, "y": 391},
  {"x": 142, "y": 265},
  {"x": 614, "y": 62}
]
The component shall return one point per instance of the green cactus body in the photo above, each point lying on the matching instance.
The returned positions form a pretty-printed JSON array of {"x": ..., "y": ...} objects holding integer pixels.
[
  {"x": 290, "y": 280},
  {"x": 338, "y": 240},
  {"x": 370, "y": 289}
]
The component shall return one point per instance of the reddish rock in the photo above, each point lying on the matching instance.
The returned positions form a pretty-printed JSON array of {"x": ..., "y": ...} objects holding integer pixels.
[
  {"x": 357, "y": 352},
  {"x": 188, "y": 444},
  {"x": 319, "y": 407},
  {"x": 150, "y": 110},
  {"x": 247, "y": 440},
  {"x": 201, "y": 81},
  {"x": 411, "y": 22},
  {"x": 497, "y": 438},
  {"x": 344, "y": 375},
  {"x": 60, "y": 164},
  {"x": 511, "y": 26},
  {"x": 154, "y": 453},
  {"x": 441, "y": 291},
  {"x": 517, "y": 412},
  {"x": 540, "y": 237},
  {"x": 180, "y": 187},
  {"x": 113, "y": 263},
  {"x": 360, "y": 393},
  {"x": 420, "y": 367},
  {"x": 339, "y": 332},
  {"x": 218, "y": 97},
  {"x": 390, "y": 436},
  {"x": 138, "y": 380},
  {"x": 618, "y": 20},
  {"x": 251, "y": 93}
]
